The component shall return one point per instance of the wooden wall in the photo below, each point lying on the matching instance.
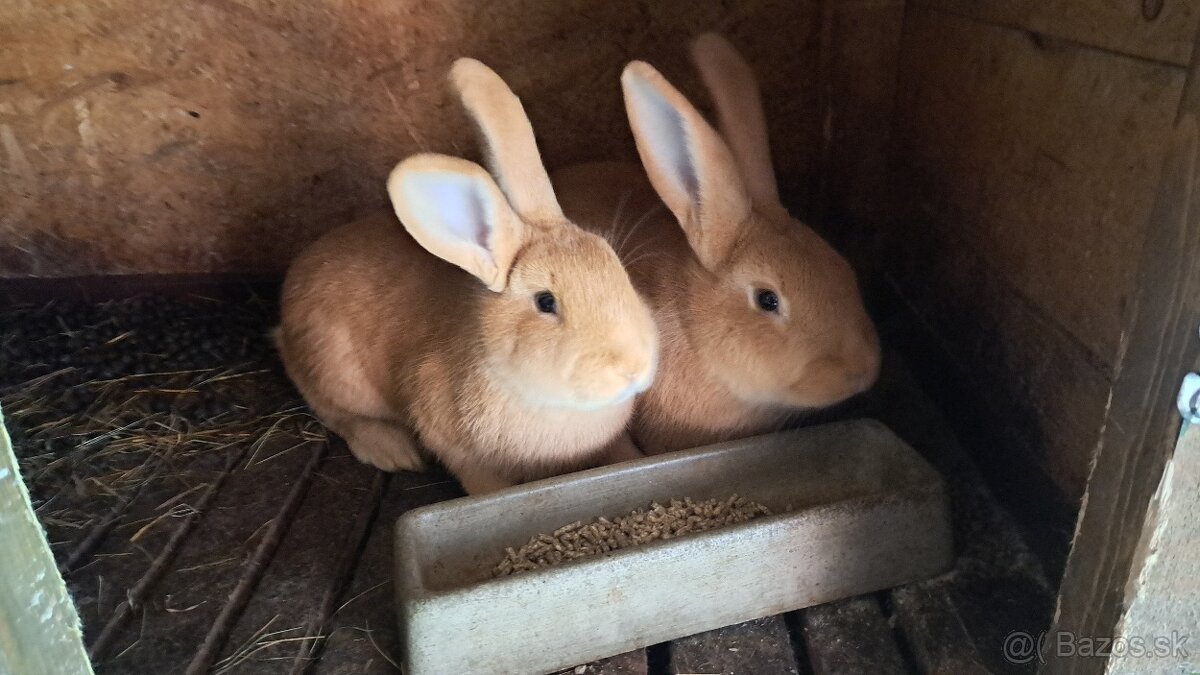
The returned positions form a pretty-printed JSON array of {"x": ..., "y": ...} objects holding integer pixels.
[
  {"x": 1027, "y": 147},
  {"x": 139, "y": 136}
]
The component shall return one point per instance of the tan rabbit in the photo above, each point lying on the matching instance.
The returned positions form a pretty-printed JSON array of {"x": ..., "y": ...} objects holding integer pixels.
[
  {"x": 759, "y": 318},
  {"x": 513, "y": 352}
]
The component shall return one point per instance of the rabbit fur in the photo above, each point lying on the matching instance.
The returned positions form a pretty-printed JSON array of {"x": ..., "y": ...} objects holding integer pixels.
[
  {"x": 431, "y": 331},
  {"x": 703, "y": 233}
]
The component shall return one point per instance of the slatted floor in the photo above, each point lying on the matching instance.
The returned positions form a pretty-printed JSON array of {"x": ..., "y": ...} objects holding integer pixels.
[{"x": 239, "y": 540}]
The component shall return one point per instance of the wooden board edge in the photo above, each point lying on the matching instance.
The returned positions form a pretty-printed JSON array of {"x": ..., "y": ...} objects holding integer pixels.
[{"x": 40, "y": 631}]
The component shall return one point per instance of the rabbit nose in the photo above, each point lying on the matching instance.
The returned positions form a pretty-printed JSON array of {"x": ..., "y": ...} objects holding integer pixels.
[
  {"x": 861, "y": 372},
  {"x": 631, "y": 376},
  {"x": 863, "y": 379},
  {"x": 863, "y": 360},
  {"x": 640, "y": 380}
]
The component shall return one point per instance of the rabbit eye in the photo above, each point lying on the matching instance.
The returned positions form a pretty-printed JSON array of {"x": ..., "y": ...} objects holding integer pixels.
[
  {"x": 546, "y": 303},
  {"x": 767, "y": 300}
]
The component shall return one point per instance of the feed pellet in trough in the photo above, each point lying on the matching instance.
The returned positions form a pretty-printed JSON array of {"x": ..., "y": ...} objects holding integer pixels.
[{"x": 580, "y": 540}]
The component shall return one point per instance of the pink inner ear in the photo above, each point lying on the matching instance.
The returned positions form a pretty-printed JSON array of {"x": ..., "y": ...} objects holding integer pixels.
[
  {"x": 663, "y": 129},
  {"x": 455, "y": 205}
]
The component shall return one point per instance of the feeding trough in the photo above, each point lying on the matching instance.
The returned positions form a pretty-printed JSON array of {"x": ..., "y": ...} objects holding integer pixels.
[{"x": 853, "y": 510}]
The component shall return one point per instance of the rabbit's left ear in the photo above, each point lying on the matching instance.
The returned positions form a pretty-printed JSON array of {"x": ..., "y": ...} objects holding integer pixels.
[
  {"x": 688, "y": 164},
  {"x": 454, "y": 210}
]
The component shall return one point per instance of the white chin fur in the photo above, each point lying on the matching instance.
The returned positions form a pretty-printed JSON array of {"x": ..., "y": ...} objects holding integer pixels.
[
  {"x": 622, "y": 398},
  {"x": 538, "y": 397}
]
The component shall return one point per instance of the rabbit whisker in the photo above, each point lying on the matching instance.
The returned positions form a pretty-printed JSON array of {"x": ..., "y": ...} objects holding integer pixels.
[
  {"x": 620, "y": 210},
  {"x": 648, "y": 255},
  {"x": 637, "y": 224}
]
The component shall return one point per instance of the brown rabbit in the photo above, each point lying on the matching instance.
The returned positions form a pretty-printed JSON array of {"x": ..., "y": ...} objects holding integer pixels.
[
  {"x": 513, "y": 352},
  {"x": 759, "y": 318}
]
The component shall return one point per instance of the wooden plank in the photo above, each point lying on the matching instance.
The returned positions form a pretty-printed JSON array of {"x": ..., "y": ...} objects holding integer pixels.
[
  {"x": 850, "y": 637},
  {"x": 1139, "y": 431},
  {"x": 1163, "y": 586},
  {"x": 860, "y": 47},
  {"x": 112, "y": 588},
  {"x": 1016, "y": 221},
  {"x": 217, "y": 564},
  {"x": 309, "y": 574},
  {"x": 1022, "y": 367},
  {"x": 1048, "y": 169},
  {"x": 38, "y": 621},
  {"x": 251, "y": 573},
  {"x": 1156, "y": 30},
  {"x": 759, "y": 646},
  {"x": 935, "y": 633},
  {"x": 151, "y": 128},
  {"x": 361, "y": 637}
]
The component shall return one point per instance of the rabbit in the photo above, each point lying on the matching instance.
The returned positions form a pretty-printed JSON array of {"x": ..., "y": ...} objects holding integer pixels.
[
  {"x": 504, "y": 339},
  {"x": 759, "y": 318}
]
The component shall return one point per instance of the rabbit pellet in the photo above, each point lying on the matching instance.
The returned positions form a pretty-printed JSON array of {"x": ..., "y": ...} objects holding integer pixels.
[{"x": 579, "y": 540}]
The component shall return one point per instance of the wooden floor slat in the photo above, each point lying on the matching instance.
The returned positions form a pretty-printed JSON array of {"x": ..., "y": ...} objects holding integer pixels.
[
  {"x": 759, "y": 646},
  {"x": 361, "y": 635},
  {"x": 139, "y": 550},
  {"x": 851, "y": 637},
  {"x": 935, "y": 633},
  {"x": 212, "y": 563},
  {"x": 310, "y": 572},
  {"x": 252, "y": 571}
]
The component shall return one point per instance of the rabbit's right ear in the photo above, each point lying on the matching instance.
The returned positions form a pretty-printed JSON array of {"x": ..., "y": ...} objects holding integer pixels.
[
  {"x": 689, "y": 165},
  {"x": 454, "y": 210}
]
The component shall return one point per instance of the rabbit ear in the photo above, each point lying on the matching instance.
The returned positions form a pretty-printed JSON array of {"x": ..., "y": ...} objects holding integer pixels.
[
  {"x": 454, "y": 210},
  {"x": 512, "y": 153},
  {"x": 687, "y": 162},
  {"x": 731, "y": 83}
]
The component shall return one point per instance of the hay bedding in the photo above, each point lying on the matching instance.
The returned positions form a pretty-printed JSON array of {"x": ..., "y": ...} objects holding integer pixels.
[{"x": 102, "y": 399}]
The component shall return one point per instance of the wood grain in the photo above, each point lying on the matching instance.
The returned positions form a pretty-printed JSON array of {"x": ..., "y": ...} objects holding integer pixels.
[
  {"x": 39, "y": 622},
  {"x": 216, "y": 559},
  {"x": 849, "y": 638},
  {"x": 1024, "y": 172},
  {"x": 860, "y": 43},
  {"x": 963, "y": 618},
  {"x": 361, "y": 635},
  {"x": 249, "y": 577},
  {"x": 1160, "y": 31},
  {"x": 759, "y": 646},
  {"x": 223, "y": 135},
  {"x": 307, "y": 575},
  {"x": 142, "y": 549},
  {"x": 935, "y": 632},
  {"x": 1141, "y": 425}
]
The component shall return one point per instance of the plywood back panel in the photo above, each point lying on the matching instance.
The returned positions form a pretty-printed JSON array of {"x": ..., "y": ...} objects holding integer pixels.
[
  {"x": 1159, "y": 30},
  {"x": 222, "y": 135}
]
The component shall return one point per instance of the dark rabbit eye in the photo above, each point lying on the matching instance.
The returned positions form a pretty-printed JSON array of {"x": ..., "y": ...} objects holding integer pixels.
[
  {"x": 546, "y": 303},
  {"x": 767, "y": 300}
]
